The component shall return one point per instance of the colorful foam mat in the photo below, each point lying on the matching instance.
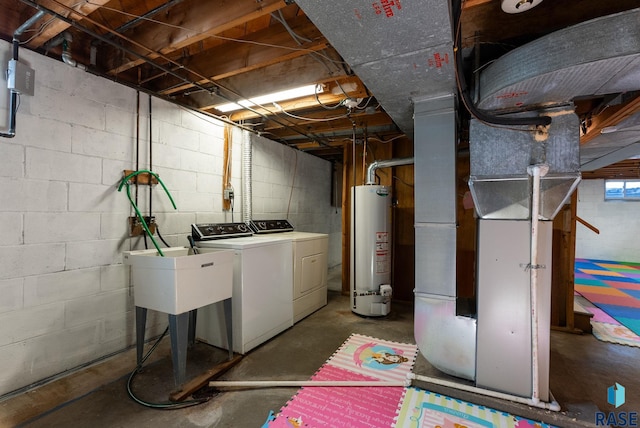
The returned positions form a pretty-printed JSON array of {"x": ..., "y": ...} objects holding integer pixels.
[
  {"x": 614, "y": 287},
  {"x": 424, "y": 409},
  {"x": 366, "y": 358},
  {"x": 359, "y": 358}
]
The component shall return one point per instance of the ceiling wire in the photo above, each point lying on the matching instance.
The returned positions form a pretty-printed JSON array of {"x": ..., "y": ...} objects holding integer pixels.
[
  {"x": 311, "y": 119},
  {"x": 296, "y": 37},
  {"x": 70, "y": 21},
  {"x": 215, "y": 36}
]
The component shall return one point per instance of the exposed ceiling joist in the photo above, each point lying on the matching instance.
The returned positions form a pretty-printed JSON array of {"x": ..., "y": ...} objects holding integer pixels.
[{"x": 195, "y": 20}]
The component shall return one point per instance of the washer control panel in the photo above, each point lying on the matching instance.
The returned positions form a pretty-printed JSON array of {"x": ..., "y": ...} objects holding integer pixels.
[
  {"x": 270, "y": 226},
  {"x": 205, "y": 231}
]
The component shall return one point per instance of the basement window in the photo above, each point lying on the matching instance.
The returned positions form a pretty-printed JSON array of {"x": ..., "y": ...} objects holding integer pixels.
[{"x": 619, "y": 190}]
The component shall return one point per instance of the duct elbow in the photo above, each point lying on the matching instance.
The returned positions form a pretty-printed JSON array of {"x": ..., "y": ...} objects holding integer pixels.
[
  {"x": 446, "y": 340},
  {"x": 67, "y": 59}
]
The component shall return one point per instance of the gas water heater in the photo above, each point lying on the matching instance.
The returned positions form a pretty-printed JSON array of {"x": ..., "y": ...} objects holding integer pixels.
[{"x": 371, "y": 250}]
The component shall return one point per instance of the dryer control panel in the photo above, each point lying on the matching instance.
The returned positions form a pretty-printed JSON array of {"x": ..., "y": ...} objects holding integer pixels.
[
  {"x": 270, "y": 226},
  {"x": 207, "y": 231}
]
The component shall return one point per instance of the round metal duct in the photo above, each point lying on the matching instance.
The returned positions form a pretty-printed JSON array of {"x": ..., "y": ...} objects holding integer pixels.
[{"x": 596, "y": 57}]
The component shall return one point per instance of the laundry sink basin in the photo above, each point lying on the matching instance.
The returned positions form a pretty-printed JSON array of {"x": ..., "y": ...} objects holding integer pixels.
[{"x": 180, "y": 281}]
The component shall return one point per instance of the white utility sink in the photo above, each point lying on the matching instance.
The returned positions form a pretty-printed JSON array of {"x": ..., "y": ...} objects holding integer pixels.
[{"x": 180, "y": 281}]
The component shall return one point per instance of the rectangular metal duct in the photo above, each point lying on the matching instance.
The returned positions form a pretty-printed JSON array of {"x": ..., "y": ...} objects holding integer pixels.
[
  {"x": 499, "y": 181},
  {"x": 400, "y": 50}
]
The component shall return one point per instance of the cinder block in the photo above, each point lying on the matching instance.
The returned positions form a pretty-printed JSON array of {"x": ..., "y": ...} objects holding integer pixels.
[
  {"x": 93, "y": 142},
  {"x": 194, "y": 161},
  {"x": 195, "y": 202},
  {"x": 85, "y": 254},
  {"x": 10, "y": 228},
  {"x": 77, "y": 111},
  {"x": 50, "y": 165},
  {"x": 12, "y": 156},
  {"x": 122, "y": 121},
  {"x": 177, "y": 136},
  {"x": 96, "y": 307},
  {"x": 34, "y": 131},
  {"x": 60, "y": 227},
  {"x": 12, "y": 291},
  {"x": 98, "y": 198},
  {"x": 166, "y": 156},
  {"x": 61, "y": 286},
  {"x": 24, "y": 260},
  {"x": 114, "y": 277},
  {"x": 20, "y": 325}
]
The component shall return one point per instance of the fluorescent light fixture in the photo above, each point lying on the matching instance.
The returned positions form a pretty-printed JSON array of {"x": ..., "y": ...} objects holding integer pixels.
[{"x": 289, "y": 94}]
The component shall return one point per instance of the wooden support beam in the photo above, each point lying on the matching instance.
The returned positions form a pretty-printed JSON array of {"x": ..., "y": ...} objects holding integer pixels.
[
  {"x": 260, "y": 49},
  {"x": 192, "y": 21},
  {"x": 56, "y": 26},
  {"x": 610, "y": 117},
  {"x": 588, "y": 225},
  {"x": 202, "y": 380}
]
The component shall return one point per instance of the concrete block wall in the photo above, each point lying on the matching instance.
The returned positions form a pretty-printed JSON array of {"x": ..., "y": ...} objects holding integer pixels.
[
  {"x": 67, "y": 299},
  {"x": 617, "y": 221},
  {"x": 296, "y": 186}
]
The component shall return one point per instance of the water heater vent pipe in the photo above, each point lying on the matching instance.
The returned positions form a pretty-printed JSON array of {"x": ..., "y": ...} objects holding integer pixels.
[{"x": 373, "y": 166}]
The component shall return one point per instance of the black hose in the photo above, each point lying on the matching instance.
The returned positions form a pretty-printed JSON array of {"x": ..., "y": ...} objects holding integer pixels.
[
  {"x": 165, "y": 406},
  {"x": 479, "y": 114}
]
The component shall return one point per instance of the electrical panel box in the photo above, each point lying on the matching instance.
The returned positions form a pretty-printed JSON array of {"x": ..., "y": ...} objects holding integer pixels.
[{"x": 20, "y": 78}]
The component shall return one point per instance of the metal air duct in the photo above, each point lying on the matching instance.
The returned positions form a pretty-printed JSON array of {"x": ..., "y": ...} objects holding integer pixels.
[{"x": 593, "y": 58}]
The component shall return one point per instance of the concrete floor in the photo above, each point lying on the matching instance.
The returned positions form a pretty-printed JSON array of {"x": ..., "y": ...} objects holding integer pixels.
[{"x": 582, "y": 368}]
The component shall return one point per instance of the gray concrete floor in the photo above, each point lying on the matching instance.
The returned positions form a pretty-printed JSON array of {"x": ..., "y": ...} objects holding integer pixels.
[{"x": 582, "y": 368}]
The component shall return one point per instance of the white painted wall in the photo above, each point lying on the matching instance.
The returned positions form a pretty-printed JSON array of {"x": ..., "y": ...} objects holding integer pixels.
[
  {"x": 617, "y": 221},
  {"x": 66, "y": 297}
]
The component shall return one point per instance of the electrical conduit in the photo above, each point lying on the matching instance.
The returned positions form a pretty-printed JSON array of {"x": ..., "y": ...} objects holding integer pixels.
[{"x": 13, "y": 99}]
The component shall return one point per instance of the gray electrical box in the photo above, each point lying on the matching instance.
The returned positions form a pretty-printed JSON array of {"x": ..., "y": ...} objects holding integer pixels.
[{"x": 20, "y": 78}]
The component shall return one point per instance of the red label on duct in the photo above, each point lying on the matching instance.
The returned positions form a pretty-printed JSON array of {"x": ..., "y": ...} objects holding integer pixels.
[
  {"x": 512, "y": 95},
  {"x": 438, "y": 60},
  {"x": 386, "y": 7}
]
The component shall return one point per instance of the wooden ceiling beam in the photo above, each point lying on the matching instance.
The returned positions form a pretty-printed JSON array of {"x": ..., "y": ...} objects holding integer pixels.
[
  {"x": 262, "y": 49},
  {"x": 610, "y": 117},
  {"x": 362, "y": 120},
  {"x": 56, "y": 26},
  {"x": 192, "y": 21}
]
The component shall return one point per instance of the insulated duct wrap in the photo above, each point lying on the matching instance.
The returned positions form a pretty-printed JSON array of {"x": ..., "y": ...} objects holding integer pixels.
[
  {"x": 596, "y": 57},
  {"x": 400, "y": 50}
]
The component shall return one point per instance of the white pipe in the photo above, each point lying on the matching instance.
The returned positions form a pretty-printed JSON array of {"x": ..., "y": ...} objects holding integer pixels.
[
  {"x": 246, "y": 177},
  {"x": 297, "y": 383},
  {"x": 536, "y": 171},
  {"x": 553, "y": 405}
]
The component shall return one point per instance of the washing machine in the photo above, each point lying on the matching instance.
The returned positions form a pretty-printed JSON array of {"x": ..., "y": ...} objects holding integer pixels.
[
  {"x": 262, "y": 286},
  {"x": 310, "y": 267}
]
